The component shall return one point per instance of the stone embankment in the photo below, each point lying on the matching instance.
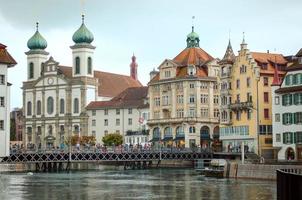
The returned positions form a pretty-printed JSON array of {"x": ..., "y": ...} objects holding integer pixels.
[{"x": 255, "y": 171}]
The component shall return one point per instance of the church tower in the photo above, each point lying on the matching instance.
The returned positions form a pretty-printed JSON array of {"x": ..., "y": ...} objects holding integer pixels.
[
  {"x": 82, "y": 52},
  {"x": 36, "y": 56},
  {"x": 133, "y": 68}
]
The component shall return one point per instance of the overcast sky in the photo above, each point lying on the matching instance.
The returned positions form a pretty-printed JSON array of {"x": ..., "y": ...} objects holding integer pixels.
[{"x": 152, "y": 29}]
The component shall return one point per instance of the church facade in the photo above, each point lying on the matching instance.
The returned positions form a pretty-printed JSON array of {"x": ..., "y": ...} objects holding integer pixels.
[{"x": 55, "y": 96}]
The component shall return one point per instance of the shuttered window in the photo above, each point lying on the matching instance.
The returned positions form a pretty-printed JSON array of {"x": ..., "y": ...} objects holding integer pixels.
[{"x": 287, "y": 138}]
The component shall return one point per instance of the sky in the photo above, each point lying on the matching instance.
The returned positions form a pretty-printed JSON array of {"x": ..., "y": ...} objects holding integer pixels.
[{"x": 151, "y": 29}]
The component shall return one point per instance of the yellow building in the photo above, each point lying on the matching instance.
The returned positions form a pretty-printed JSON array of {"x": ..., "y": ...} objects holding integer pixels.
[{"x": 249, "y": 109}]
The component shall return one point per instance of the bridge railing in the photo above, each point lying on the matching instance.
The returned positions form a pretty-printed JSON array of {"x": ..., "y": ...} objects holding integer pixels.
[
  {"x": 289, "y": 184},
  {"x": 110, "y": 150}
]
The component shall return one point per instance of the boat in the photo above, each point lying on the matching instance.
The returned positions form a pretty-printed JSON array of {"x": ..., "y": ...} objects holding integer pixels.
[{"x": 216, "y": 168}]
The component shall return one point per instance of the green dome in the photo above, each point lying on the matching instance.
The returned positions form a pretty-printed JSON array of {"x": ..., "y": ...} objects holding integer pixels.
[
  {"x": 192, "y": 39},
  {"x": 82, "y": 35},
  {"x": 37, "y": 41}
]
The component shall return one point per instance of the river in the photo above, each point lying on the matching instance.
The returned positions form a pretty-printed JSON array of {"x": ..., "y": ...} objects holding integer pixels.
[{"x": 130, "y": 184}]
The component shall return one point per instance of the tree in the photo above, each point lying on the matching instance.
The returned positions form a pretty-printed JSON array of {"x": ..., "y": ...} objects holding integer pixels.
[
  {"x": 73, "y": 140},
  {"x": 12, "y": 130},
  {"x": 112, "y": 138}
]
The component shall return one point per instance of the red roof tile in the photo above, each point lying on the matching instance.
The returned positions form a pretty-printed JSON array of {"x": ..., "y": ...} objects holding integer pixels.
[
  {"x": 130, "y": 97},
  {"x": 194, "y": 56},
  {"x": 270, "y": 59},
  {"x": 110, "y": 84},
  {"x": 5, "y": 57}
]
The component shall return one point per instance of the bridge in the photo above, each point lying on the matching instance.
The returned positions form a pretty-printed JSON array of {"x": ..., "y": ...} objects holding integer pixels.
[{"x": 95, "y": 156}]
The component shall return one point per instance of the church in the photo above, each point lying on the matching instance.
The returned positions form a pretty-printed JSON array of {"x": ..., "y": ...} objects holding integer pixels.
[{"x": 55, "y": 96}]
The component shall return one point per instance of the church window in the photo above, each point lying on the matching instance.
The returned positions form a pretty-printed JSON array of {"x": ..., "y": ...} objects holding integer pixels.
[
  {"x": 28, "y": 108},
  {"x": 31, "y": 70},
  {"x": 39, "y": 107},
  {"x": 62, "y": 106},
  {"x": 49, "y": 105},
  {"x": 77, "y": 65},
  {"x": 76, "y": 105},
  {"x": 89, "y": 63}
]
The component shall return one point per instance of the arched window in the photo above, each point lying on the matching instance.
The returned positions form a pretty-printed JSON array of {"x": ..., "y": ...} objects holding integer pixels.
[
  {"x": 77, "y": 65},
  {"x": 179, "y": 131},
  {"x": 28, "y": 108},
  {"x": 89, "y": 64},
  {"x": 156, "y": 133},
  {"x": 168, "y": 132},
  {"x": 31, "y": 70},
  {"x": 62, "y": 106},
  {"x": 49, "y": 105},
  {"x": 39, "y": 107},
  {"x": 76, "y": 105}
]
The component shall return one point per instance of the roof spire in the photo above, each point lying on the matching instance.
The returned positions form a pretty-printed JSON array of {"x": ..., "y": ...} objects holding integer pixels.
[
  {"x": 229, "y": 56},
  {"x": 243, "y": 37},
  {"x": 83, "y": 18},
  {"x": 37, "y": 26}
]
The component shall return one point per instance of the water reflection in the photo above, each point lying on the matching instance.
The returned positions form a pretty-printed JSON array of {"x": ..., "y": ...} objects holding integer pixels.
[{"x": 138, "y": 184}]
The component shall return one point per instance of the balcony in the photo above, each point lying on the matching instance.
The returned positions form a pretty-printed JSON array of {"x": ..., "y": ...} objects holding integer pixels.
[
  {"x": 133, "y": 133},
  {"x": 241, "y": 105}
]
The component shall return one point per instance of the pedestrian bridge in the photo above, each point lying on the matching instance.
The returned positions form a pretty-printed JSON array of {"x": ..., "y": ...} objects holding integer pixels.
[{"x": 86, "y": 156}]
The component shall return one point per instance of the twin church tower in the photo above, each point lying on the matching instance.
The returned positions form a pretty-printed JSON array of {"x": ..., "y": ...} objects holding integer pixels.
[{"x": 55, "y": 96}]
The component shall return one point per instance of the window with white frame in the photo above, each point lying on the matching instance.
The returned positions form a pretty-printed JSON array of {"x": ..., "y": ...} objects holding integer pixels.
[
  {"x": 1, "y": 124},
  {"x": 105, "y": 122},
  {"x": 192, "y": 98},
  {"x": 2, "y": 79},
  {"x": 93, "y": 123},
  {"x": 130, "y": 121},
  {"x": 129, "y": 111},
  {"x": 117, "y": 122},
  {"x": 106, "y": 112},
  {"x": 2, "y": 101},
  {"x": 117, "y": 111},
  {"x": 180, "y": 99}
]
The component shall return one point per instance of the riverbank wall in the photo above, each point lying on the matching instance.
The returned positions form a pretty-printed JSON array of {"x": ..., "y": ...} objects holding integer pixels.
[{"x": 255, "y": 171}]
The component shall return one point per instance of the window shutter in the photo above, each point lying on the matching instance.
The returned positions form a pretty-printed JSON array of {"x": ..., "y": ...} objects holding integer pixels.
[
  {"x": 283, "y": 118},
  {"x": 295, "y": 137},
  {"x": 291, "y": 137},
  {"x": 290, "y": 96},
  {"x": 291, "y": 118},
  {"x": 283, "y": 100},
  {"x": 296, "y": 99},
  {"x": 283, "y": 138}
]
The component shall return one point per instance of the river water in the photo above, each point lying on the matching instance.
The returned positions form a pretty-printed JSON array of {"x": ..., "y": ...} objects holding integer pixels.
[{"x": 130, "y": 184}]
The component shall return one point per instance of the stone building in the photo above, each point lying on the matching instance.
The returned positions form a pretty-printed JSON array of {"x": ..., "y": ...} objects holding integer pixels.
[
  {"x": 250, "y": 120},
  {"x": 6, "y": 61},
  {"x": 55, "y": 96},
  {"x": 287, "y": 111},
  {"x": 126, "y": 114},
  {"x": 184, "y": 98}
]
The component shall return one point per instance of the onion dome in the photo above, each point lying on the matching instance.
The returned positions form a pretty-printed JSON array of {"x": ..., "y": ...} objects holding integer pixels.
[
  {"x": 82, "y": 35},
  {"x": 192, "y": 39},
  {"x": 37, "y": 41}
]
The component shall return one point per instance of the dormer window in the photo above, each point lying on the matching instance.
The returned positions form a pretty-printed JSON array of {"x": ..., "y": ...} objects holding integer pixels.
[{"x": 191, "y": 70}]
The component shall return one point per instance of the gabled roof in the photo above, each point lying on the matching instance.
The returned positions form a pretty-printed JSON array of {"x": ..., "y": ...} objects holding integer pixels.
[
  {"x": 130, "y": 97},
  {"x": 110, "y": 84},
  {"x": 5, "y": 57}
]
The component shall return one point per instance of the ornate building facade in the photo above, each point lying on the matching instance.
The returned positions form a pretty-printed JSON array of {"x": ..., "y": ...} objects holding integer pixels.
[
  {"x": 184, "y": 98},
  {"x": 246, "y": 114},
  {"x": 55, "y": 96},
  {"x": 6, "y": 61}
]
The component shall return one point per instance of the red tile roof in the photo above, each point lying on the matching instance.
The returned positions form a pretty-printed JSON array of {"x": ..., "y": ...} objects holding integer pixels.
[
  {"x": 5, "y": 57},
  {"x": 270, "y": 59},
  {"x": 130, "y": 97},
  {"x": 194, "y": 56},
  {"x": 110, "y": 84}
]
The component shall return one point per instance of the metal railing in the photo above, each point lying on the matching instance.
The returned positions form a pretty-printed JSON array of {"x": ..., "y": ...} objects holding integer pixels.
[{"x": 289, "y": 184}]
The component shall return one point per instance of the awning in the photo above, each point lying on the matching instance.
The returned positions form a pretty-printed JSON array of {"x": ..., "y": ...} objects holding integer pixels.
[
  {"x": 155, "y": 140},
  {"x": 167, "y": 139},
  {"x": 179, "y": 138}
]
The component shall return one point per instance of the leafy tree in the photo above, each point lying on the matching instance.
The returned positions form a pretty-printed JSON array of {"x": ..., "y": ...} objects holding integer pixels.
[
  {"x": 112, "y": 138},
  {"x": 12, "y": 130},
  {"x": 73, "y": 140}
]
